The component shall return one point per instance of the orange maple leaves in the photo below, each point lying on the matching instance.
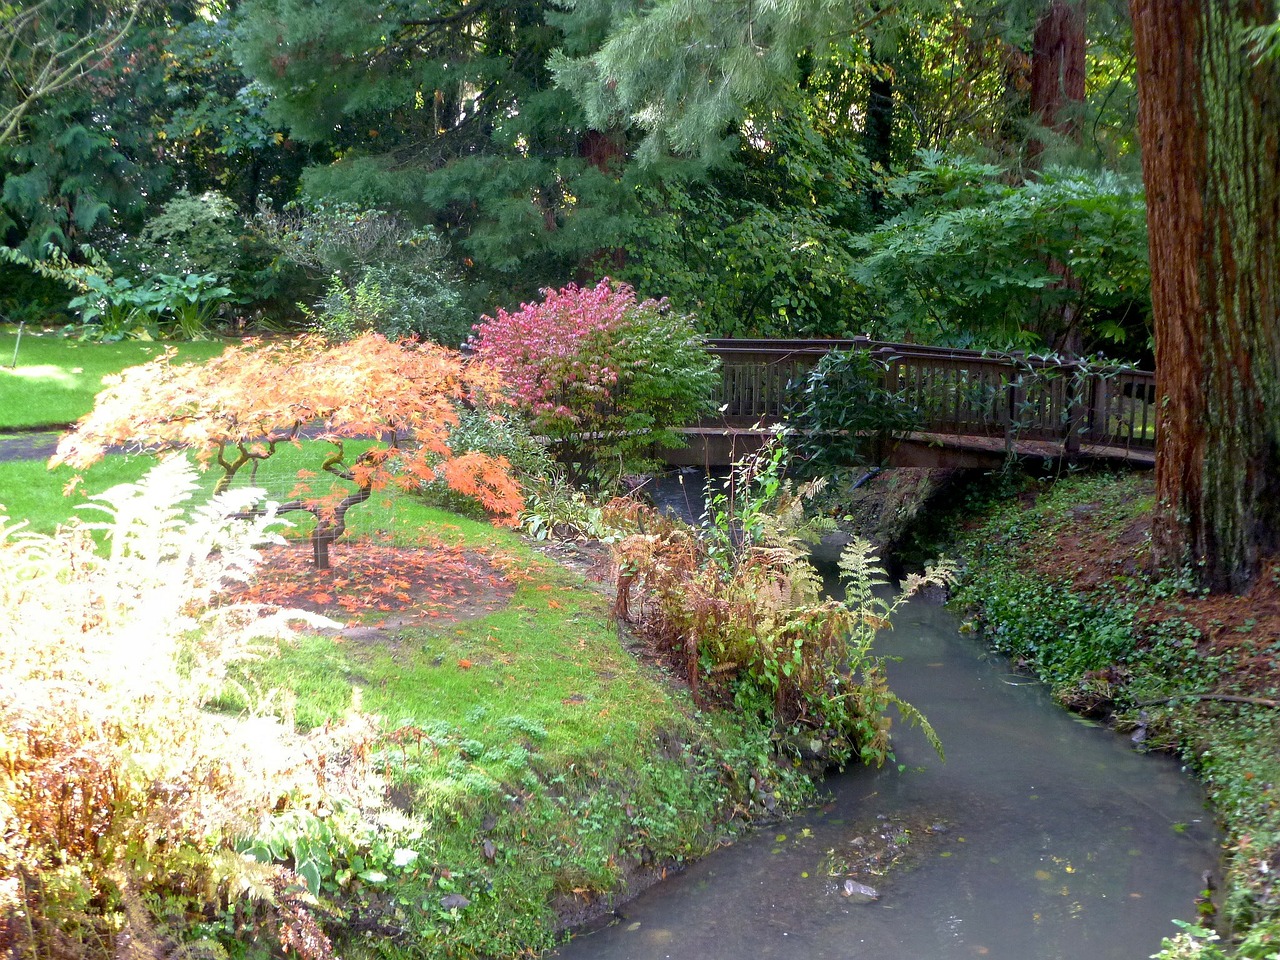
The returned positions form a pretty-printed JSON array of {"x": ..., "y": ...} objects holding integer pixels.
[{"x": 237, "y": 408}]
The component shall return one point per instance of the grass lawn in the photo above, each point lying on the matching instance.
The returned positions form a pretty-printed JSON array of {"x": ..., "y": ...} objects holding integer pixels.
[
  {"x": 550, "y": 764},
  {"x": 56, "y": 377}
]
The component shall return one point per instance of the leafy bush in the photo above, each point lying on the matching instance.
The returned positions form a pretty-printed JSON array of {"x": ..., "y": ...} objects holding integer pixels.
[
  {"x": 741, "y": 607},
  {"x": 122, "y": 797},
  {"x": 164, "y": 306},
  {"x": 746, "y": 268},
  {"x": 973, "y": 260},
  {"x": 190, "y": 234},
  {"x": 604, "y": 376},
  {"x": 383, "y": 274},
  {"x": 843, "y": 415}
]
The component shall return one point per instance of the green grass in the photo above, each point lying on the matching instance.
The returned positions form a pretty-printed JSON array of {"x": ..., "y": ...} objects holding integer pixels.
[
  {"x": 30, "y": 491},
  {"x": 536, "y": 732},
  {"x": 57, "y": 377},
  {"x": 545, "y": 757}
]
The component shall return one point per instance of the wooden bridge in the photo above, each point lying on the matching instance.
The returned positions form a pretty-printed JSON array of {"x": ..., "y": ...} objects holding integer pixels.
[{"x": 975, "y": 408}]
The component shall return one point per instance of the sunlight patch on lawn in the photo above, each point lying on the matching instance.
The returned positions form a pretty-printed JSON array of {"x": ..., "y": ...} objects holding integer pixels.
[{"x": 48, "y": 372}]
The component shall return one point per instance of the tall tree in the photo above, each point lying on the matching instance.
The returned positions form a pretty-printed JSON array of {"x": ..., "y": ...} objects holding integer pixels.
[
  {"x": 49, "y": 46},
  {"x": 1058, "y": 69},
  {"x": 1210, "y": 129}
]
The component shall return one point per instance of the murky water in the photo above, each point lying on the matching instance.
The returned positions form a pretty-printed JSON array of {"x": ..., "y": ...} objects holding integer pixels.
[{"x": 1058, "y": 840}]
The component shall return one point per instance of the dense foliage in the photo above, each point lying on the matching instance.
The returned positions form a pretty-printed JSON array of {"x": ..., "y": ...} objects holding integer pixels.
[
  {"x": 514, "y": 147},
  {"x": 972, "y": 260},
  {"x": 602, "y": 373},
  {"x": 741, "y": 607},
  {"x": 844, "y": 414}
]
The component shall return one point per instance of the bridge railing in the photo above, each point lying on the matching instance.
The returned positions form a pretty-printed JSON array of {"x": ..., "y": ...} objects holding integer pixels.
[{"x": 958, "y": 392}]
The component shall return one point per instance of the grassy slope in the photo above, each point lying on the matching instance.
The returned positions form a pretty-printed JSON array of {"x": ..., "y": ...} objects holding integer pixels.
[
  {"x": 532, "y": 730},
  {"x": 541, "y": 764},
  {"x": 1059, "y": 586},
  {"x": 56, "y": 378}
]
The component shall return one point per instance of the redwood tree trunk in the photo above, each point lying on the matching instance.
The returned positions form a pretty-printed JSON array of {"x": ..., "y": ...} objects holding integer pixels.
[
  {"x": 1058, "y": 70},
  {"x": 1209, "y": 124},
  {"x": 1057, "y": 97}
]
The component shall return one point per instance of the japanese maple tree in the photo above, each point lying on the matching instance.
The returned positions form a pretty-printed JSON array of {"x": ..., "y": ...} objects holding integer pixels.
[{"x": 238, "y": 409}]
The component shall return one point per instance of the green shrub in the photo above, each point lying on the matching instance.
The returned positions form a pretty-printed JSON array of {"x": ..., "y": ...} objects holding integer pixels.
[
  {"x": 741, "y": 606},
  {"x": 844, "y": 416},
  {"x": 158, "y": 307},
  {"x": 383, "y": 274},
  {"x": 603, "y": 375}
]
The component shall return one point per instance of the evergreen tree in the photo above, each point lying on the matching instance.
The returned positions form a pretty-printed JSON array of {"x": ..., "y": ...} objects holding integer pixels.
[
  {"x": 446, "y": 112},
  {"x": 1210, "y": 107}
]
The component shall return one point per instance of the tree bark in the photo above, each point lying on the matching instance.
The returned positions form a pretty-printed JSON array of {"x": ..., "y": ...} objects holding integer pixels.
[
  {"x": 1058, "y": 71},
  {"x": 878, "y": 133},
  {"x": 1209, "y": 122}
]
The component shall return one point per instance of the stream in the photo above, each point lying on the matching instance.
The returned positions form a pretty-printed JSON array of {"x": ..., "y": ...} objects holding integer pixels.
[{"x": 1040, "y": 837}]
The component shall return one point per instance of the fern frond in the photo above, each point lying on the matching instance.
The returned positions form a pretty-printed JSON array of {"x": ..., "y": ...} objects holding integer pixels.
[{"x": 915, "y": 718}]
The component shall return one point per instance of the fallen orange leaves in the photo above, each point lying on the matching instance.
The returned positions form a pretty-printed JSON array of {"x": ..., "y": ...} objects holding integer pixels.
[{"x": 437, "y": 580}]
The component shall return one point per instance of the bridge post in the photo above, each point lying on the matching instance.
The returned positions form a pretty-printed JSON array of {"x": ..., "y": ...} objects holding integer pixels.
[{"x": 1077, "y": 408}]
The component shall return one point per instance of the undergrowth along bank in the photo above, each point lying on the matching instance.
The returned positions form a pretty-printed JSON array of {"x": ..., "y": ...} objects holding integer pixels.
[
  {"x": 1056, "y": 580},
  {"x": 446, "y": 779}
]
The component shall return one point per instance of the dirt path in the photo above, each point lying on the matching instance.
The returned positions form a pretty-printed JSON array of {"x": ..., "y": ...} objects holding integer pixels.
[{"x": 28, "y": 446}]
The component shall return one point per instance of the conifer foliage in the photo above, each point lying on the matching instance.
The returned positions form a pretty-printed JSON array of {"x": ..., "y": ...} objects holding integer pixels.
[{"x": 238, "y": 409}]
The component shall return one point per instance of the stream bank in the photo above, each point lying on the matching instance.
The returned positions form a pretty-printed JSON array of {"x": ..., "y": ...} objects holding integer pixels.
[{"x": 1056, "y": 579}]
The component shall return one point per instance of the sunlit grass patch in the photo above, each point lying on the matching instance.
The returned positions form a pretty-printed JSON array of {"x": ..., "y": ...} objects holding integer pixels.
[{"x": 55, "y": 379}]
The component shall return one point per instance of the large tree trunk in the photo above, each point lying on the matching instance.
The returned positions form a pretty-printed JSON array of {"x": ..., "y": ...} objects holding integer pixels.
[
  {"x": 1209, "y": 124},
  {"x": 1058, "y": 71},
  {"x": 1057, "y": 97}
]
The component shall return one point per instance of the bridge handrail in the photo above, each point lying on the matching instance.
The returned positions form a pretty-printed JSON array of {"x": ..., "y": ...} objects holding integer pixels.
[{"x": 959, "y": 391}]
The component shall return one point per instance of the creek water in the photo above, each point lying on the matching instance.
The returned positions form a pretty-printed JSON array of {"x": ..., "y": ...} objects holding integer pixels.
[{"x": 1039, "y": 837}]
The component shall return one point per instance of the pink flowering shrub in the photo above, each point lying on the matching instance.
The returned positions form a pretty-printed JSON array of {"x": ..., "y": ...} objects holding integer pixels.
[{"x": 606, "y": 375}]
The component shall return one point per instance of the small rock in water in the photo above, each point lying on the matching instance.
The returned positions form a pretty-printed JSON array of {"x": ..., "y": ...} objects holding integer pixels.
[
  {"x": 938, "y": 828},
  {"x": 859, "y": 891}
]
